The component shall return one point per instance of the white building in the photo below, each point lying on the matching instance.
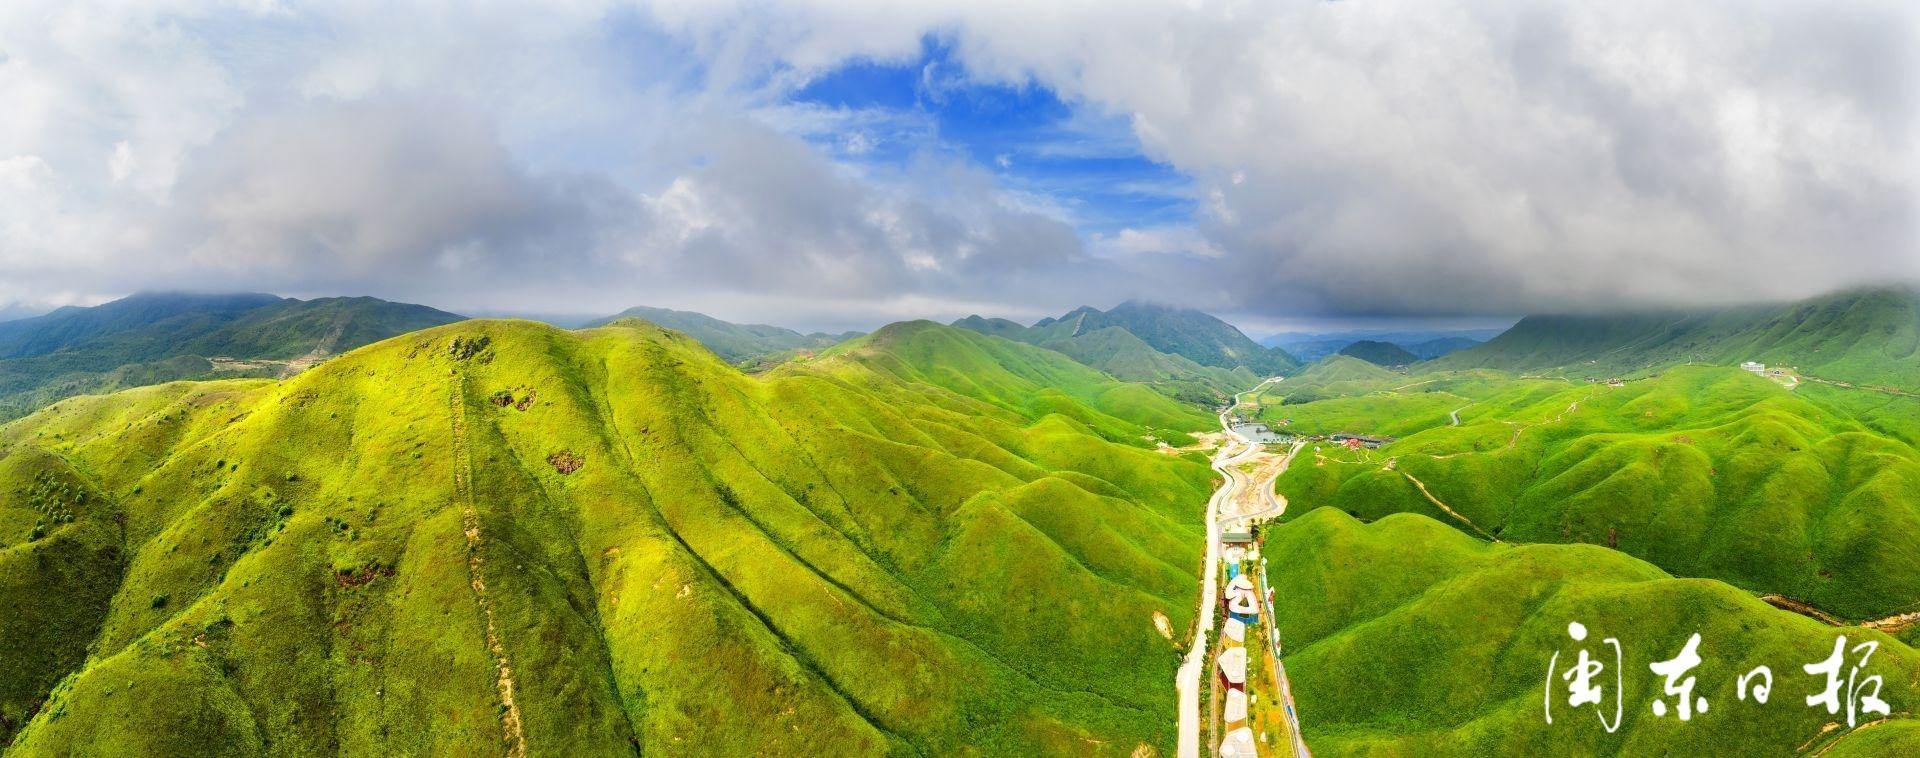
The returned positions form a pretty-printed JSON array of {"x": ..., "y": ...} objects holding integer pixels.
[{"x": 1758, "y": 368}]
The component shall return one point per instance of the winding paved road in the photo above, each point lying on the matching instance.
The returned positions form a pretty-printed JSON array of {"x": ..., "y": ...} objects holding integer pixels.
[{"x": 1236, "y": 451}]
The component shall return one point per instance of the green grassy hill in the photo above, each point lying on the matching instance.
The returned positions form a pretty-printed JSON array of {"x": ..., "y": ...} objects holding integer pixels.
[
  {"x": 1119, "y": 352},
  {"x": 1197, "y": 336},
  {"x": 1379, "y": 353},
  {"x": 737, "y": 343},
  {"x": 1704, "y": 471},
  {"x": 1407, "y": 637},
  {"x": 1126, "y": 357},
  {"x": 1439, "y": 346},
  {"x": 160, "y": 337},
  {"x": 75, "y": 326},
  {"x": 498, "y": 534},
  {"x": 1866, "y": 337},
  {"x": 1016, "y": 376},
  {"x": 998, "y": 327}
]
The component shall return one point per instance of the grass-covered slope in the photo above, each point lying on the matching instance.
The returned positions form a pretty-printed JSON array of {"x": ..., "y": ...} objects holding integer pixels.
[
  {"x": 1867, "y": 337},
  {"x": 497, "y": 534},
  {"x": 1379, "y": 353},
  {"x": 1123, "y": 355},
  {"x": 737, "y": 343},
  {"x": 159, "y": 337},
  {"x": 75, "y": 326},
  {"x": 1016, "y": 376},
  {"x": 1200, "y": 337},
  {"x": 1704, "y": 471},
  {"x": 1408, "y": 637},
  {"x": 1118, "y": 352}
]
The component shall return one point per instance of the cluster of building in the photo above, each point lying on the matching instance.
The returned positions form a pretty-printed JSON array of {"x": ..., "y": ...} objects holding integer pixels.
[
  {"x": 1243, "y": 611},
  {"x": 1359, "y": 441}
]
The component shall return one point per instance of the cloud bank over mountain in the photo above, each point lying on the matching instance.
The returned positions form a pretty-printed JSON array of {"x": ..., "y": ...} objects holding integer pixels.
[{"x": 1359, "y": 158}]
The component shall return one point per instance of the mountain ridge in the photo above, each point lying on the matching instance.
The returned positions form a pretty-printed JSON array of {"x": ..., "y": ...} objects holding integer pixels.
[
  {"x": 1380, "y": 353},
  {"x": 736, "y": 343},
  {"x": 1867, "y": 336},
  {"x": 921, "y": 541},
  {"x": 149, "y": 338}
]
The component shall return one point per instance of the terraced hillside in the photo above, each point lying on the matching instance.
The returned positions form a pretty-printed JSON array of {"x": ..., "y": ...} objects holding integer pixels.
[
  {"x": 1408, "y": 637},
  {"x": 151, "y": 338},
  {"x": 500, "y": 536},
  {"x": 1866, "y": 337},
  {"x": 1703, "y": 471}
]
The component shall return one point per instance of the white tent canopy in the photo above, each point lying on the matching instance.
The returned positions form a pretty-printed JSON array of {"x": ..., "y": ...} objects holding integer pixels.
[
  {"x": 1236, "y": 706},
  {"x": 1235, "y": 630},
  {"x": 1233, "y": 664},
  {"x": 1238, "y": 744},
  {"x": 1243, "y": 603}
]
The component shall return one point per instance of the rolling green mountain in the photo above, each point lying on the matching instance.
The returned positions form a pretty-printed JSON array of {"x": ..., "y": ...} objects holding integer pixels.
[
  {"x": 1408, "y": 637},
  {"x": 1331, "y": 376},
  {"x": 140, "y": 314},
  {"x": 1308, "y": 347},
  {"x": 1126, "y": 357},
  {"x": 497, "y": 536},
  {"x": 998, "y": 327},
  {"x": 1185, "y": 353},
  {"x": 1185, "y": 332},
  {"x": 156, "y": 337},
  {"x": 1379, "y": 353},
  {"x": 1866, "y": 337},
  {"x": 737, "y": 343},
  {"x": 1430, "y": 349},
  {"x": 1704, "y": 471}
]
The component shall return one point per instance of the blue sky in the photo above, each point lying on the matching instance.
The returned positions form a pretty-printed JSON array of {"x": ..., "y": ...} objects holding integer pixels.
[
  {"x": 1074, "y": 154},
  {"x": 841, "y": 165}
]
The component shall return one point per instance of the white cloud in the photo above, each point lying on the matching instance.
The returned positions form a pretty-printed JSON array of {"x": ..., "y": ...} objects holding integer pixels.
[
  {"x": 1471, "y": 156},
  {"x": 1184, "y": 240},
  {"x": 1440, "y": 157}
]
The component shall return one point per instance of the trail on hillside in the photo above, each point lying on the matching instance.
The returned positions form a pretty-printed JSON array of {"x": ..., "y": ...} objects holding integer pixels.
[
  {"x": 320, "y": 350},
  {"x": 1422, "y": 486},
  {"x": 1893, "y": 624},
  {"x": 1863, "y": 387},
  {"x": 510, "y": 723},
  {"x": 1518, "y": 427}
]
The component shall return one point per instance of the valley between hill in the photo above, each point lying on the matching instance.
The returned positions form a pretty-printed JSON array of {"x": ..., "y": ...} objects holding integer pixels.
[
  {"x": 1428, "y": 575},
  {"x": 500, "y": 536}
]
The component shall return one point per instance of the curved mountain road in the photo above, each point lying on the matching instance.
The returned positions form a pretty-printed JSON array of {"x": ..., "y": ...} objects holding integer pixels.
[{"x": 1238, "y": 449}]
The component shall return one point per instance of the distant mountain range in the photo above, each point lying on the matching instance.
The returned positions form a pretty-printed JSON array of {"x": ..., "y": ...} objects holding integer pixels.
[
  {"x": 1186, "y": 353},
  {"x": 1198, "y": 336},
  {"x": 156, "y": 337},
  {"x": 1380, "y": 353},
  {"x": 1427, "y": 344},
  {"x": 735, "y": 343},
  {"x": 497, "y": 535},
  {"x": 1866, "y": 337}
]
